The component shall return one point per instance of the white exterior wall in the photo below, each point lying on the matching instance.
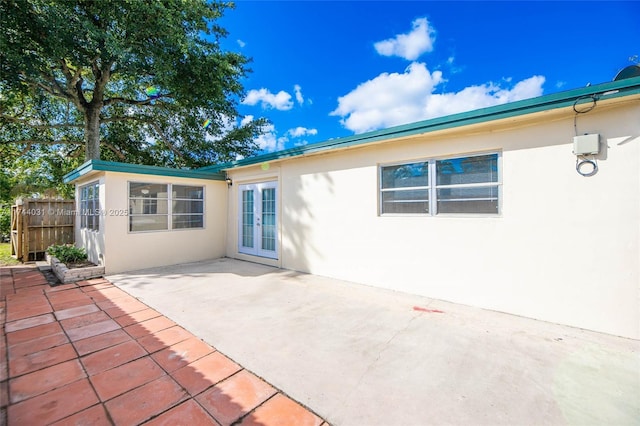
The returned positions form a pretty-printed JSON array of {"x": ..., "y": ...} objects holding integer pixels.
[
  {"x": 125, "y": 251},
  {"x": 565, "y": 248}
]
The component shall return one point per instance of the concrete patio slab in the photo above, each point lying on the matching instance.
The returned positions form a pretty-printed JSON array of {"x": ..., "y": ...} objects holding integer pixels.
[
  {"x": 364, "y": 356},
  {"x": 76, "y": 366}
]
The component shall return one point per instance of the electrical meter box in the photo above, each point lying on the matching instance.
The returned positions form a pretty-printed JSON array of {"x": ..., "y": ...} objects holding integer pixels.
[{"x": 586, "y": 144}]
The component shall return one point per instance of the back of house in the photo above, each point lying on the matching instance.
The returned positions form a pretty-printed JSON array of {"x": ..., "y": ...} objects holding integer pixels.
[{"x": 529, "y": 208}]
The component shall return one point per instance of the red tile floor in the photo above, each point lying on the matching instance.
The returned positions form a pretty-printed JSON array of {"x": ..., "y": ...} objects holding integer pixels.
[{"x": 88, "y": 353}]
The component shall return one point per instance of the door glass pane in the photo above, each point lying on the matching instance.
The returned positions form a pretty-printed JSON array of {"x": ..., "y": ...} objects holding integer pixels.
[
  {"x": 247, "y": 218},
  {"x": 269, "y": 219}
]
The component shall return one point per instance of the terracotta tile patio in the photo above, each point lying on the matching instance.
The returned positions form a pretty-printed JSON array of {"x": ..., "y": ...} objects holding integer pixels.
[{"x": 89, "y": 353}]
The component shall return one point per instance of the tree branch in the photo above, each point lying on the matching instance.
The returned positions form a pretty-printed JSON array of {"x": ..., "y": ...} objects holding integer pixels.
[
  {"x": 56, "y": 90},
  {"x": 148, "y": 101},
  {"x": 76, "y": 153},
  {"x": 23, "y": 109},
  {"x": 102, "y": 76},
  {"x": 115, "y": 150},
  {"x": 97, "y": 72},
  {"x": 47, "y": 89},
  {"x": 26, "y": 149},
  {"x": 81, "y": 100},
  {"x": 37, "y": 142},
  {"x": 38, "y": 126},
  {"x": 66, "y": 71},
  {"x": 158, "y": 130},
  {"x": 146, "y": 120},
  {"x": 72, "y": 79},
  {"x": 74, "y": 85}
]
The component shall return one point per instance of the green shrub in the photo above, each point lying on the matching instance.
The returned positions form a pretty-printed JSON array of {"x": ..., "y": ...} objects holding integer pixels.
[
  {"x": 5, "y": 220},
  {"x": 68, "y": 253}
]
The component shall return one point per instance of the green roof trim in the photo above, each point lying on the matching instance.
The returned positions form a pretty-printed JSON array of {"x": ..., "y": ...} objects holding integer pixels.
[
  {"x": 110, "y": 166},
  {"x": 513, "y": 109}
]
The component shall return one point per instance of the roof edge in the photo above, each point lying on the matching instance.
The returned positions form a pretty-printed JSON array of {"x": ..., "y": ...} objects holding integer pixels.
[
  {"x": 563, "y": 99},
  {"x": 112, "y": 166}
]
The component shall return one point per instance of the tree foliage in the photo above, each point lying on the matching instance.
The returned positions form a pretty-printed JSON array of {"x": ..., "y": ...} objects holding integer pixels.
[{"x": 134, "y": 81}]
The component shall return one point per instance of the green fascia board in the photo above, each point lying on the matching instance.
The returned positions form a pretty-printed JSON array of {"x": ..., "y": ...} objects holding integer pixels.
[
  {"x": 564, "y": 99},
  {"x": 110, "y": 166}
]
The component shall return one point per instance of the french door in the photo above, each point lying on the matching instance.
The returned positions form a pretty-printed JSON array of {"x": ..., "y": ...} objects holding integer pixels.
[{"x": 258, "y": 221}]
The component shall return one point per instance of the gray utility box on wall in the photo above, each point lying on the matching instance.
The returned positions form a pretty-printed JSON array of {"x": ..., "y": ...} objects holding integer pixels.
[{"x": 586, "y": 144}]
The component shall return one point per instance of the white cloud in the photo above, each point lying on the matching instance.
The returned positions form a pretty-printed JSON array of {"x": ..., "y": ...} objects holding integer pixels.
[
  {"x": 388, "y": 99},
  {"x": 301, "y": 131},
  {"x": 452, "y": 66},
  {"x": 246, "y": 120},
  {"x": 482, "y": 96},
  {"x": 269, "y": 141},
  {"x": 409, "y": 46},
  {"x": 241, "y": 43},
  {"x": 280, "y": 101},
  {"x": 393, "y": 99},
  {"x": 298, "y": 91}
]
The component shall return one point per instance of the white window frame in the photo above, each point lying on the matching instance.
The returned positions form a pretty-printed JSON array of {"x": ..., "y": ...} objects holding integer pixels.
[
  {"x": 169, "y": 199},
  {"x": 432, "y": 186},
  {"x": 426, "y": 189},
  {"x": 90, "y": 207},
  {"x": 176, "y": 198}
]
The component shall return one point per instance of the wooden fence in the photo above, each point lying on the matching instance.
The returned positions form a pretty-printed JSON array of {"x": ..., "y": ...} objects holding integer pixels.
[{"x": 37, "y": 224}]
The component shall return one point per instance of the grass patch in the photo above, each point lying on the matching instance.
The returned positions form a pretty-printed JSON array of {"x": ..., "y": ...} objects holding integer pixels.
[{"x": 5, "y": 255}]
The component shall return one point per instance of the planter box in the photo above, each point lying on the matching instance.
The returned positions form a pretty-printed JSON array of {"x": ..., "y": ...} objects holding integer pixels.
[{"x": 66, "y": 275}]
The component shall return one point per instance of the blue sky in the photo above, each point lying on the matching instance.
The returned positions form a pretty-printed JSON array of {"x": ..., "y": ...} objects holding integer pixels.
[{"x": 328, "y": 69}]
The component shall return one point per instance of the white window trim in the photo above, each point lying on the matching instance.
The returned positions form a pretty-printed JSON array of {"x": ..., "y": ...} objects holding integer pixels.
[
  {"x": 82, "y": 211},
  {"x": 169, "y": 213},
  {"x": 433, "y": 187}
]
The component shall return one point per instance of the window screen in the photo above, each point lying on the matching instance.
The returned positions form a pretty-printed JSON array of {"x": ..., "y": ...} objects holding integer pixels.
[
  {"x": 464, "y": 185},
  {"x": 160, "y": 207}
]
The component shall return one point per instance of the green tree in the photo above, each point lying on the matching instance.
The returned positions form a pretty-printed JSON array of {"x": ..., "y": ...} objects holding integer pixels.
[{"x": 142, "y": 81}]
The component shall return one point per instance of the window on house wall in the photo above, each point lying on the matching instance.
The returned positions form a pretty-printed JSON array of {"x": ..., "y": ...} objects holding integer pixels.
[
  {"x": 461, "y": 185},
  {"x": 90, "y": 206},
  {"x": 161, "y": 207},
  {"x": 405, "y": 188},
  {"x": 468, "y": 184},
  {"x": 187, "y": 207}
]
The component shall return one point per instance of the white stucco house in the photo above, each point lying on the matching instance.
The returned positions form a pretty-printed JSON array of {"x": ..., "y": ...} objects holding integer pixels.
[{"x": 530, "y": 208}]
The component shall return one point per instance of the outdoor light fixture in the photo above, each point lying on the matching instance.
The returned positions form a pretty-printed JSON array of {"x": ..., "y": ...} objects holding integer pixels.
[{"x": 229, "y": 181}]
